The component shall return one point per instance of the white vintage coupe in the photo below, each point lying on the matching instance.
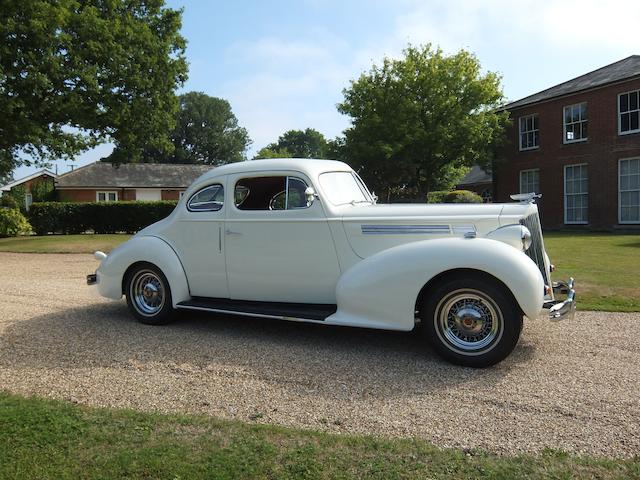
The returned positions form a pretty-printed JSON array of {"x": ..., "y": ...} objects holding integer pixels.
[{"x": 304, "y": 240}]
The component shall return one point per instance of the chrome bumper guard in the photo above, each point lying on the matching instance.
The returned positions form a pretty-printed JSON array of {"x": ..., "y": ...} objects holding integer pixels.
[
  {"x": 562, "y": 309},
  {"x": 92, "y": 279}
]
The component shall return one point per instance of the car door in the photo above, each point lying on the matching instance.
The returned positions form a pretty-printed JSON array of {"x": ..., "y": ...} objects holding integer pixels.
[
  {"x": 197, "y": 237},
  {"x": 278, "y": 247}
]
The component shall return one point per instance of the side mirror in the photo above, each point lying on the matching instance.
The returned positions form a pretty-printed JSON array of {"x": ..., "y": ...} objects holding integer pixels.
[
  {"x": 311, "y": 195},
  {"x": 374, "y": 197}
]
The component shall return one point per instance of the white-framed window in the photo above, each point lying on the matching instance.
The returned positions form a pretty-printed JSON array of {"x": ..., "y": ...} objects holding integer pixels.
[
  {"x": 28, "y": 200},
  {"x": 629, "y": 190},
  {"x": 530, "y": 181},
  {"x": 529, "y": 133},
  {"x": 629, "y": 112},
  {"x": 576, "y": 194},
  {"x": 106, "y": 196},
  {"x": 575, "y": 123}
]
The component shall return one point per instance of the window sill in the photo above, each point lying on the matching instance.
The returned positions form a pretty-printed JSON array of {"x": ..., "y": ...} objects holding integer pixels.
[
  {"x": 529, "y": 149},
  {"x": 628, "y": 132},
  {"x": 572, "y": 142}
]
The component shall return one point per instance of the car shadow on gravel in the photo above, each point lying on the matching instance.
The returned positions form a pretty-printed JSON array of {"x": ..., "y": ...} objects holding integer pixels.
[{"x": 323, "y": 358}]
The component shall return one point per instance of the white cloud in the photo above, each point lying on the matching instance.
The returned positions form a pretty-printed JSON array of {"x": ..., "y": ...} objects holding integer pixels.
[
  {"x": 287, "y": 82},
  {"x": 290, "y": 85}
]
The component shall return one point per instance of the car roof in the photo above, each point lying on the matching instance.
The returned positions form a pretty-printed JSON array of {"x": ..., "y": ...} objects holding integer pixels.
[{"x": 310, "y": 166}]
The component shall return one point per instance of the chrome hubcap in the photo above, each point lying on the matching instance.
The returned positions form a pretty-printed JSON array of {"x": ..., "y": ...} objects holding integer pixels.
[
  {"x": 469, "y": 322},
  {"x": 147, "y": 293}
]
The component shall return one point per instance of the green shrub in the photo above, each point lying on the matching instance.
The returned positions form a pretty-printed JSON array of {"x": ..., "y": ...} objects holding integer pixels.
[
  {"x": 437, "y": 196},
  {"x": 13, "y": 223},
  {"x": 8, "y": 201},
  {"x": 462, "y": 196},
  {"x": 100, "y": 217},
  {"x": 43, "y": 191},
  {"x": 454, "y": 196}
]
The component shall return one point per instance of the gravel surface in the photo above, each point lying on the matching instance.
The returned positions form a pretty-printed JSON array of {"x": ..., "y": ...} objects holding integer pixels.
[{"x": 570, "y": 385}]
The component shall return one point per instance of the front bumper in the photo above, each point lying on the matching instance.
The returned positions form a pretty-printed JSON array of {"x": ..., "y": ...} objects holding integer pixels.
[{"x": 562, "y": 309}]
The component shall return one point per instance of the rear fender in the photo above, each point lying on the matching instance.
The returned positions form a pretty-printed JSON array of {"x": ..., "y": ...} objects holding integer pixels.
[{"x": 381, "y": 291}]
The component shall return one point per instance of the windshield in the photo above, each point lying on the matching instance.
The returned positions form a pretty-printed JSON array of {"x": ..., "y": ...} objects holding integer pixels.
[{"x": 343, "y": 187}]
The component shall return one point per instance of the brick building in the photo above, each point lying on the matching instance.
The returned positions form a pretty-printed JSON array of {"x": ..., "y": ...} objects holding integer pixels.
[
  {"x": 578, "y": 143},
  {"x": 104, "y": 182},
  {"x": 25, "y": 184}
]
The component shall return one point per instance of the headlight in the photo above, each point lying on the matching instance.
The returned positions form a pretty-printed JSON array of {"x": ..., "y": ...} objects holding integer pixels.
[{"x": 525, "y": 235}]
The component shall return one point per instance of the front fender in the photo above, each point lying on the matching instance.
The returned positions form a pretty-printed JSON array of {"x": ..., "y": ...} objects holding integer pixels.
[
  {"x": 381, "y": 290},
  {"x": 149, "y": 249}
]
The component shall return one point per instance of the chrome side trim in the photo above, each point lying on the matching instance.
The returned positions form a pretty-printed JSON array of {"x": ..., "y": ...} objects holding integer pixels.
[
  {"x": 405, "y": 229},
  {"x": 464, "y": 229},
  {"x": 417, "y": 229}
]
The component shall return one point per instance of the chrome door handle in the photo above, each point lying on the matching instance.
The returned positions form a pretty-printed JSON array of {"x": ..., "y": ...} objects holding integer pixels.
[{"x": 231, "y": 232}]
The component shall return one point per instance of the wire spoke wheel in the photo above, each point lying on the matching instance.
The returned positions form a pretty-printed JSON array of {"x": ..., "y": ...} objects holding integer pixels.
[
  {"x": 469, "y": 322},
  {"x": 147, "y": 293}
]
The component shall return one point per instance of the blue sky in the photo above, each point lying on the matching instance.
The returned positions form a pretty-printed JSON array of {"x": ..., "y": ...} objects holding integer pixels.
[{"x": 283, "y": 64}]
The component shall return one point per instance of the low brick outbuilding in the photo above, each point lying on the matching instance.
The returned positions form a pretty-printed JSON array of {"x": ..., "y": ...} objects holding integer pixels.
[{"x": 104, "y": 182}]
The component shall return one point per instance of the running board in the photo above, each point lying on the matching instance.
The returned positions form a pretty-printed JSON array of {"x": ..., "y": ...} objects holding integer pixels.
[{"x": 280, "y": 311}]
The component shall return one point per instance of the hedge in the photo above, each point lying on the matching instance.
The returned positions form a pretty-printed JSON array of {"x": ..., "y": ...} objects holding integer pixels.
[
  {"x": 13, "y": 223},
  {"x": 99, "y": 217},
  {"x": 454, "y": 196}
]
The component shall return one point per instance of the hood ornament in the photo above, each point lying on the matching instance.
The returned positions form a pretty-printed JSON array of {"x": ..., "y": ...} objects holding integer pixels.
[{"x": 526, "y": 197}]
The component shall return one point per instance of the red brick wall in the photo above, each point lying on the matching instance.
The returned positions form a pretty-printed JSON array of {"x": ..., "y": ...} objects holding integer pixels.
[
  {"x": 127, "y": 195},
  {"x": 601, "y": 152},
  {"x": 170, "y": 194},
  {"x": 77, "y": 195},
  {"x": 89, "y": 195}
]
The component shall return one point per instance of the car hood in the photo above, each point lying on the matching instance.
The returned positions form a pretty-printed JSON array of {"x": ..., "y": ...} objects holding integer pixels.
[{"x": 373, "y": 228}]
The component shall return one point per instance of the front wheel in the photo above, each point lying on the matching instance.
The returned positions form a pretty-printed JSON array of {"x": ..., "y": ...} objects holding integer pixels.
[
  {"x": 148, "y": 295},
  {"x": 471, "y": 320}
]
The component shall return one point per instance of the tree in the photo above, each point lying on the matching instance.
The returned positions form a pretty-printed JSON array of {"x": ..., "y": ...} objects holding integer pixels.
[
  {"x": 418, "y": 122},
  {"x": 6, "y": 177},
  {"x": 77, "y": 73},
  {"x": 267, "y": 152},
  {"x": 206, "y": 132},
  {"x": 309, "y": 143}
]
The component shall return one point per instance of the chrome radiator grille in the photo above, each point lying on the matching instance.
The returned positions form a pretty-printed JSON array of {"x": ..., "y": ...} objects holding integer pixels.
[{"x": 536, "y": 251}]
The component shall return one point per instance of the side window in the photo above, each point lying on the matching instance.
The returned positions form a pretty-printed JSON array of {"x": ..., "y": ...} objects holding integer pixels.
[
  {"x": 208, "y": 199},
  {"x": 295, "y": 193},
  {"x": 270, "y": 193}
]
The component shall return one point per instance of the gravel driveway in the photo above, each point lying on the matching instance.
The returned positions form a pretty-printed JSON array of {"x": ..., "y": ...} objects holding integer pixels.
[{"x": 572, "y": 385}]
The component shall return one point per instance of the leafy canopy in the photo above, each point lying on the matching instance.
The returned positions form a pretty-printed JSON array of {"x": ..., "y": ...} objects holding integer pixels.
[
  {"x": 308, "y": 143},
  {"x": 419, "y": 122},
  {"x": 206, "y": 132},
  {"x": 76, "y": 73}
]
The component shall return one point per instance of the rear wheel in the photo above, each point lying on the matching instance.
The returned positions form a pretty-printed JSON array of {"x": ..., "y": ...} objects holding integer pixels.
[
  {"x": 471, "y": 320},
  {"x": 148, "y": 295}
]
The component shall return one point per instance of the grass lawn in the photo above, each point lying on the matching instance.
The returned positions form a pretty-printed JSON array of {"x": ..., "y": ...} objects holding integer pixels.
[
  {"x": 53, "y": 439},
  {"x": 62, "y": 243},
  {"x": 606, "y": 268}
]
